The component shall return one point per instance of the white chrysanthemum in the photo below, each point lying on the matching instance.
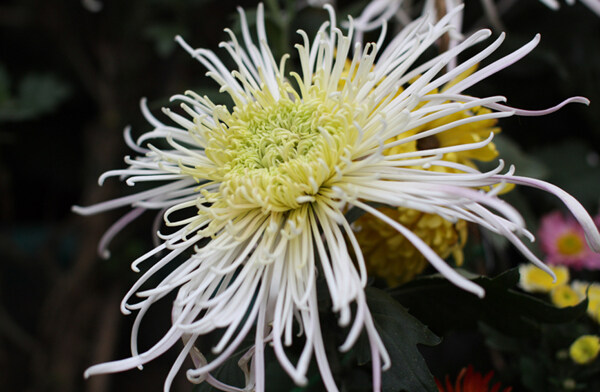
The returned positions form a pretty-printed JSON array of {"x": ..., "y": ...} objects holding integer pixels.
[
  {"x": 260, "y": 190},
  {"x": 593, "y": 5},
  {"x": 377, "y": 12}
]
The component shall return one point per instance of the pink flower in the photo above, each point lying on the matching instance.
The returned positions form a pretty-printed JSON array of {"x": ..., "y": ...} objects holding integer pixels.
[{"x": 563, "y": 241}]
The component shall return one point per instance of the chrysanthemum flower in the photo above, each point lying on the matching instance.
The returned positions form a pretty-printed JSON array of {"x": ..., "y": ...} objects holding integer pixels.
[
  {"x": 256, "y": 193},
  {"x": 378, "y": 12},
  {"x": 585, "y": 349},
  {"x": 565, "y": 295},
  {"x": 388, "y": 254},
  {"x": 391, "y": 256},
  {"x": 534, "y": 280},
  {"x": 563, "y": 241},
  {"x": 468, "y": 380},
  {"x": 593, "y": 5},
  {"x": 591, "y": 291}
]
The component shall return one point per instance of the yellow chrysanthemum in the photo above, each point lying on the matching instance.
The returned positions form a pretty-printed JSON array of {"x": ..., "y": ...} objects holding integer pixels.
[
  {"x": 393, "y": 257},
  {"x": 585, "y": 349},
  {"x": 469, "y": 132},
  {"x": 563, "y": 296},
  {"x": 535, "y": 280},
  {"x": 387, "y": 253},
  {"x": 592, "y": 292}
]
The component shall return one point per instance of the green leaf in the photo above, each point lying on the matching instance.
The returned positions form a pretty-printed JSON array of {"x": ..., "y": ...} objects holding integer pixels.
[
  {"x": 163, "y": 36},
  {"x": 512, "y": 154},
  {"x": 354, "y": 213},
  {"x": 4, "y": 85},
  {"x": 401, "y": 333},
  {"x": 37, "y": 94},
  {"x": 443, "y": 306},
  {"x": 532, "y": 374},
  {"x": 42, "y": 93},
  {"x": 229, "y": 373}
]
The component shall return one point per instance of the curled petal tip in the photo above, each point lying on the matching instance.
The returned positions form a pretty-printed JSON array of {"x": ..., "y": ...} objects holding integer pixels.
[
  {"x": 579, "y": 212},
  {"x": 552, "y": 274},
  {"x": 593, "y": 240},
  {"x": 473, "y": 288},
  {"x": 102, "y": 178},
  {"x": 480, "y": 293},
  {"x": 79, "y": 210},
  {"x": 301, "y": 381}
]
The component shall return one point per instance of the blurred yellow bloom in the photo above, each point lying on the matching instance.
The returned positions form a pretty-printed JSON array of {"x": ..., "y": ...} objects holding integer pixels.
[
  {"x": 534, "y": 280},
  {"x": 563, "y": 296},
  {"x": 585, "y": 349},
  {"x": 592, "y": 291}
]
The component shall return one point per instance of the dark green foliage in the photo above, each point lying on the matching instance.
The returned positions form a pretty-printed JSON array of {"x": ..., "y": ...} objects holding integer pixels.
[
  {"x": 443, "y": 306},
  {"x": 401, "y": 334},
  {"x": 575, "y": 167},
  {"x": 36, "y": 94}
]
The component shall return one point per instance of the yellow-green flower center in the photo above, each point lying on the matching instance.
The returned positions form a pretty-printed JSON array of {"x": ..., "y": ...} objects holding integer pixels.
[
  {"x": 277, "y": 154},
  {"x": 570, "y": 244},
  {"x": 585, "y": 349},
  {"x": 563, "y": 296}
]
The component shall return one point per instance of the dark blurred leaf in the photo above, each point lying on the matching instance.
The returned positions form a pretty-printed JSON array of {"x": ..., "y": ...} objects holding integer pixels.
[
  {"x": 228, "y": 373},
  {"x": 499, "y": 341},
  {"x": 354, "y": 213},
  {"x": 525, "y": 164},
  {"x": 401, "y": 333},
  {"x": 276, "y": 378},
  {"x": 4, "y": 85},
  {"x": 171, "y": 3},
  {"x": 42, "y": 93},
  {"x": 163, "y": 36},
  {"x": 443, "y": 306},
  {"x": 575, "y": 167},
  {"x": 532, "y": 374},
  {"x": 37, "y": 94}
]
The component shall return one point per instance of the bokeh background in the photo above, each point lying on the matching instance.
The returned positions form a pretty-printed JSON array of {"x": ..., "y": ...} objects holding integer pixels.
[{"x": 71, "y": 78}]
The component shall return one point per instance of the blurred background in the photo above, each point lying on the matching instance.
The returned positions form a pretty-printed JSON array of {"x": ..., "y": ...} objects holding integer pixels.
[{"x": 71, "y": 78}]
